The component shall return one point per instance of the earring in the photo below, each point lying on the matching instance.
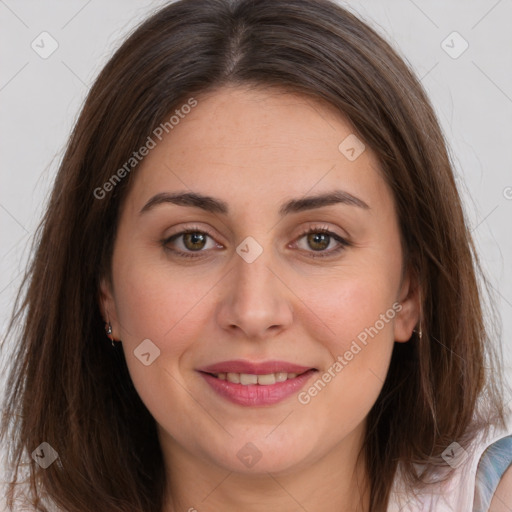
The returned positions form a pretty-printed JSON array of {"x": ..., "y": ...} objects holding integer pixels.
[
  {"x": 419, "y": 332},
  {"x": 108, "y": 330}
]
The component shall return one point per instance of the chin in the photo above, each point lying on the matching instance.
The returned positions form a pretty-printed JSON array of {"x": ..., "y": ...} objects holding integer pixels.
[{"x": 259, "y": 457}]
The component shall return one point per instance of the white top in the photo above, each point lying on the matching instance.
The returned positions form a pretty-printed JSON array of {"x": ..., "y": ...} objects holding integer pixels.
[{"x": 466, "y": 490}]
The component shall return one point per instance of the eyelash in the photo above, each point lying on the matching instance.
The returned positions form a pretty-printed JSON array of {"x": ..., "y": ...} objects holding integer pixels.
[{"x": 315, "y": 229}]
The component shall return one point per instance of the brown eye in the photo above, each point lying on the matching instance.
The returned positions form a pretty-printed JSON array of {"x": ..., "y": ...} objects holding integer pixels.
[
  {"x": 318, "y": 241},
  {"x": 190, "y": 243},
  {"x": 194, "y": 241}
]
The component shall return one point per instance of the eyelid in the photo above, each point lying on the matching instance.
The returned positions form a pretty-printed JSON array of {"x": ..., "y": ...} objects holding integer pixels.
[
  {"x": 318, "y": 228},
  {"x": 184, "y": 230},
  {"x": 343, "y": 243}
]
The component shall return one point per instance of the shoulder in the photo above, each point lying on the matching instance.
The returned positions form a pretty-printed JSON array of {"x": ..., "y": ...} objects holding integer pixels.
[
  {"x": 483, "y": 476},
  {"x": 493, "y": 485},
  {"x": 502, "y": 499}
]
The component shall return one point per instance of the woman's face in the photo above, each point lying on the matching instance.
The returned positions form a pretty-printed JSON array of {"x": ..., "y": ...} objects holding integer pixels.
[{"x": 307, "y": 323}]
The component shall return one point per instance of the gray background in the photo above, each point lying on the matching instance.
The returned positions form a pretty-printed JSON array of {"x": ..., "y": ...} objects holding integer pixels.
[{"x": 40, "y": 99}]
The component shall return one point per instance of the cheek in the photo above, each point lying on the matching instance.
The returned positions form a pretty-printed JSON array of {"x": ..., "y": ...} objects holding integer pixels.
[
  {"x": 358, "y": 313},
  {"x": 170, "y": 308},
  {"x": 152, "y": 303},
  {"x": 166, "y": 307},
  {"x": 353, "y": 303}
]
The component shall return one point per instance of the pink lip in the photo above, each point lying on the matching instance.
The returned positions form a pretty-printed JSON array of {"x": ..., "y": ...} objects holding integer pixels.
[
  {"x": 263, "y": 368},
  {"x": 255, "y": 394}
]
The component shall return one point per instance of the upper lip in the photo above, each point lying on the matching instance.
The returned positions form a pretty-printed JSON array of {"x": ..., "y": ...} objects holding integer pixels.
[{"x": 254, "y": 368}]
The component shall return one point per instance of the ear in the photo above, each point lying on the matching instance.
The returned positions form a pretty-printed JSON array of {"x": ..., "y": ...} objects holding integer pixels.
[
  {"x": 107, "y": 305},
  {"x": 409, "y": 316}
]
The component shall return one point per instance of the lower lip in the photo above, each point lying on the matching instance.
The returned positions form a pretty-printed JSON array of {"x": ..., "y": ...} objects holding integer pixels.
[{"x": 255, "y": 394}]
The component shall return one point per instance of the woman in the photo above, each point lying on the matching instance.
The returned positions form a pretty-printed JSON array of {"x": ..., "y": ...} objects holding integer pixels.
[{"x": 257, "y": 206}]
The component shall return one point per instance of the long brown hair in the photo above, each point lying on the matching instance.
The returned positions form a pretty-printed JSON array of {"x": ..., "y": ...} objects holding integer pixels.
[{"x": 69, "y": 388}]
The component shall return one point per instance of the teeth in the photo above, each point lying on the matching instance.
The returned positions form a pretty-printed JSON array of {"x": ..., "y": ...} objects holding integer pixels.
[
  {"x": 266, "y": 380},
  {"x": 233, "y": 377},
  {"x": 247, "y": 379}
]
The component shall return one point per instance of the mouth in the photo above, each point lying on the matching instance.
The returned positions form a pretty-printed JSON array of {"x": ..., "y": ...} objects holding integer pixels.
[{"x": 256, "y": 384}]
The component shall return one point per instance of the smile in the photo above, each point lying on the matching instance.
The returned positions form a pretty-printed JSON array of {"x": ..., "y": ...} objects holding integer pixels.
[{"x": 256, "y": 384}]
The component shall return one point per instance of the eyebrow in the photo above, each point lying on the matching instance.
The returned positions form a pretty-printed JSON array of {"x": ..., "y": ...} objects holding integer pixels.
[{"x": 212, "y": 205}]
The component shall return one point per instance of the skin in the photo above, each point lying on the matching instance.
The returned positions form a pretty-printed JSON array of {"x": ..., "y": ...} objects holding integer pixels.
[
  {"x": 255, "y": 149},
  {"x": 503, "y": 495}
]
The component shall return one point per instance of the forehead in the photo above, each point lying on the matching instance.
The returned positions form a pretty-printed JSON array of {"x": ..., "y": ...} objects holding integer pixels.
[{"x": 244, "y": 144}]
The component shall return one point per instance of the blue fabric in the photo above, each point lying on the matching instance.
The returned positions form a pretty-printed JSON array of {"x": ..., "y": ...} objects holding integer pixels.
[{"x": 495, "y": 460}]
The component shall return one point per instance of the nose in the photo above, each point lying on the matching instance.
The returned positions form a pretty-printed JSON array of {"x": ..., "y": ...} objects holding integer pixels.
[{"x": 255, "y": 303}]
